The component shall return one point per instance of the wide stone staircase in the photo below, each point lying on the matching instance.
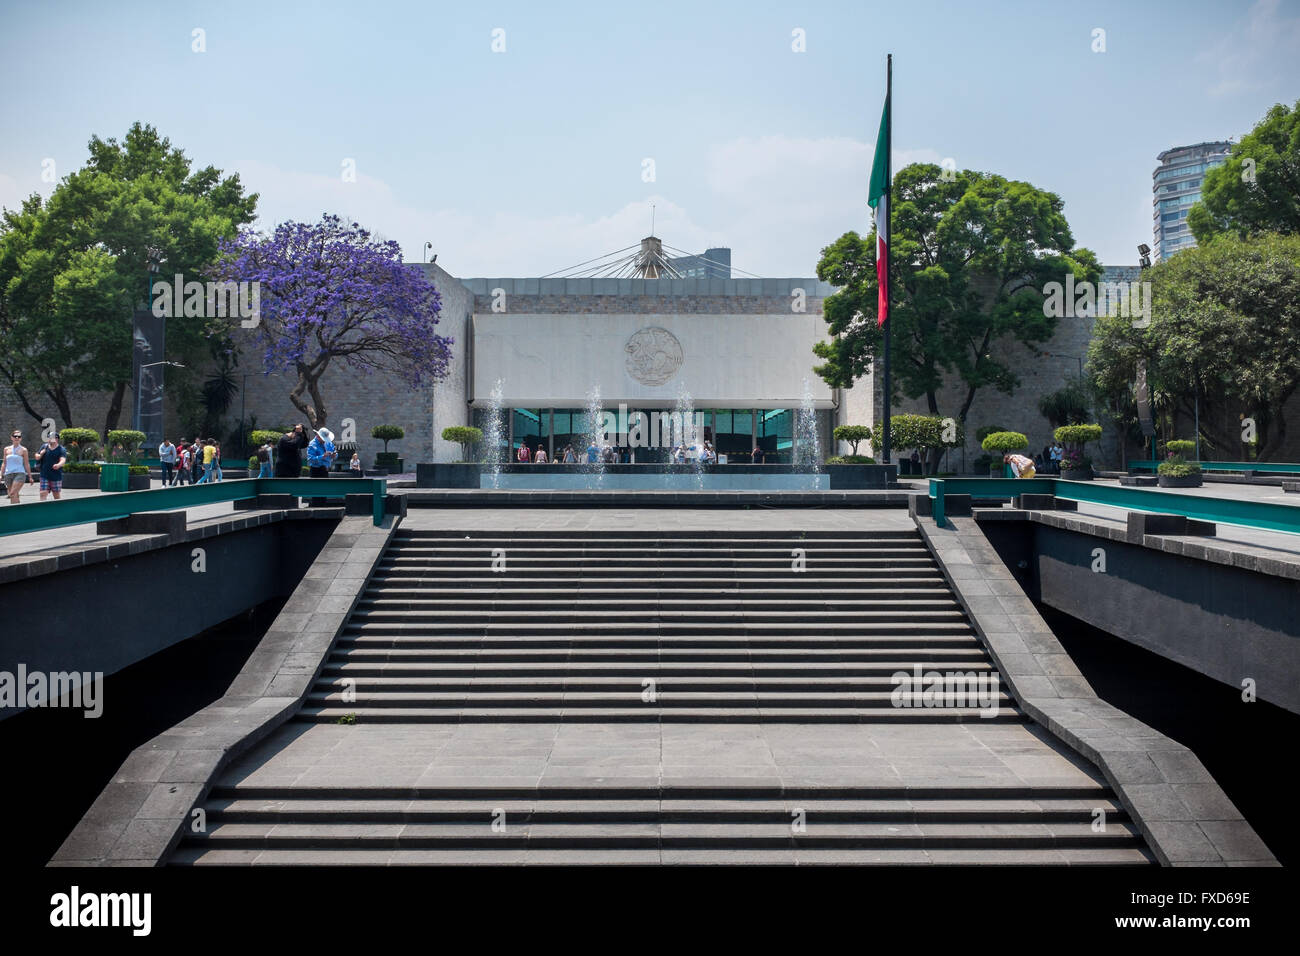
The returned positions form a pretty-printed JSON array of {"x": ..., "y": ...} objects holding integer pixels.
[{"x": 620, "y": 627}]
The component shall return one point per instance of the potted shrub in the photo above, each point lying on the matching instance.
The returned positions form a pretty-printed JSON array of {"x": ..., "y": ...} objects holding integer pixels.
[
  {"x": 998, "y": 444},
  {"x": 1075, "y": 466},
  {"x": 385, "y": 460},
  {"x": 464, "y": 435},
  {"x": 124, "y": 445},
  {"x": 922, "y": 433},
  {"x": 1177, "y": 471},
  {"x": 81, "y": 470}
]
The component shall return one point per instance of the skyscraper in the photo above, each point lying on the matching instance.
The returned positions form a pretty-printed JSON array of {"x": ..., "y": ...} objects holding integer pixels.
[{"x": 1176, "y": 187}]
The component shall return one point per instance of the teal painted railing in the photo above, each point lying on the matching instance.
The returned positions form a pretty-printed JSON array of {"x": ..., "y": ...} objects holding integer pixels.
[
  {"x": 41, "y": 515},
  {"x": 1264, "y": 467},
  {"x": 1266, "y": 515}
]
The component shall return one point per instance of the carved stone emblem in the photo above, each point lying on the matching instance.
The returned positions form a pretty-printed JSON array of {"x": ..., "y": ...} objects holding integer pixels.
[{"x": 653, "y": 355}]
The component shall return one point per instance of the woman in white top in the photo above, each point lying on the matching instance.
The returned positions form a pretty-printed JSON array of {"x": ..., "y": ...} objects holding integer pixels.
[
  {"x": 540, "y": 457},
  {"x": 17, "y": 467},
  {"x": 1022, "y": 467}
]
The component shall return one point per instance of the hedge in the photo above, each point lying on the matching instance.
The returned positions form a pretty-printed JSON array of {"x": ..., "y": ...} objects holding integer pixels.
[
  {"x": 1004, "y": 442},
  {"x": 1077, "y": 434}
]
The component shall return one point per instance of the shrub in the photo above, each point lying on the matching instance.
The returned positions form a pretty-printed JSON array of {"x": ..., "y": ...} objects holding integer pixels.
[
  {"x": 854, "y": 435},
  {"x": 138, "y": 470},
  {"x": 81, "y": 468},
  {"x": 1180, "y": 447},
  {"x": 254, "y": 466},
  {"x": 1003, "y": 442},
  {"x": 987, "y": 430},
  {"x": 463, "y": 435},
  {"x": 851, "y": 459},
  {"x": 264, "y": 436},
  {"x": 1177, "y": 469},
  {"x": 1077, "y": 434},
  {"x": 82, "y": 443},
  {"x": 387, "y": 433},
  {"x": 129, "y": 441}
]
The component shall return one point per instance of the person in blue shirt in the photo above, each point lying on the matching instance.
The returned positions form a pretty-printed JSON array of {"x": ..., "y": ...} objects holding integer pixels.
[
  {"x": 52, "y": 457},
  {"x": 321, "y": 453},
  {"x": 592, "y": 453}
]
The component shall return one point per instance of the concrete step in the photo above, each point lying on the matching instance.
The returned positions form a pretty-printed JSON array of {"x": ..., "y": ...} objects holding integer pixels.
[
  {"x": 1025, "y": 856},
  {"x": 924, "y": 657},
  {"x": 605, "y": 835},
  {"x": 647, "y": 713},
  {"x": 601, "y": 809},
  {"x": 700, "y": 618},
  {"x": 575, "y": 588},
  {"x": 344, "y": 665},
  {"x": 606, "y": 601},
  {"x": 597, "y": 683},
  {"x": 622, "y": 536},
  {"x": 919, "y": 630},
  {"x": 325, "y": 695}
]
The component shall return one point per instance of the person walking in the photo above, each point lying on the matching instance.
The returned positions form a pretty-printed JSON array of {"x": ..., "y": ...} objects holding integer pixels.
[
  {"x": 288, "y": 452},
  {"x": 540, "y": 459},
  {"x": 216, "y": 458},
  {"x": 17, "y": 467},
  {"x": 196, "y": 460},
  {"x": 1058, "y": 453},
  {"x": 167, "y": 456},
  {"x": 209, "y": 456},
  {"x": 569, "y": 457},
  {"x": 183, "y": 460},
  {"x": 757, "y": 456},
  {"x": 524, "y": 455},
  {"x": 1021, "y": 466},
  {"x": 51, "y": 458}
]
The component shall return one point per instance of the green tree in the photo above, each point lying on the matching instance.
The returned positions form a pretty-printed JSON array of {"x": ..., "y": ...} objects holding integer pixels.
[
  {"x": 970, "y": 258},
  {"x": 73, "y": 268},
  {"x": 1225, "y": 323},
  {"x": 1258, "y": 188}
]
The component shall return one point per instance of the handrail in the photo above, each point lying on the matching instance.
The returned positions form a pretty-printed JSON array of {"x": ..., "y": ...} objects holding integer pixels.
[
  {"x": 1267, "y": 515},
  {"x": 1276, "y": 467},
  {"x": 43, "y": 515}
]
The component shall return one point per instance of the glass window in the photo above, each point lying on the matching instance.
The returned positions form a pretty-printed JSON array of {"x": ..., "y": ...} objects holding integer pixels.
[
  {"x": 734, "y": 433},
  {"x": 529, "y": 428},
  {"x": 776, "y": 434}
]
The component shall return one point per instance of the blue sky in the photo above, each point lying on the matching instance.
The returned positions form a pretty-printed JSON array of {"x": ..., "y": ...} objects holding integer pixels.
[{"x": 529, "y": 160}]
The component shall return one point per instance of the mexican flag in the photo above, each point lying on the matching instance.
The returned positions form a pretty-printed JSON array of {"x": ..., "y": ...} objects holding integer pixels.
[{"x": 878, "y": 199}]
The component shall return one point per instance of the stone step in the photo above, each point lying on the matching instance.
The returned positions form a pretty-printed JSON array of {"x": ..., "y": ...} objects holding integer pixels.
[
  {"x": 605, "y": 835},
  {"x": 567, "y": 683},
  {"x": 1024, "y": 856},
  {"x": 663, "y": 617},
  {"x": 239, "y": 788},
  {"x": 608, "y": 602},
  {"x": 774, "y": 552},
  {"x": 645, "y": 713},
  {"x": 342, "y": 665},
  {"x": 918, "y": 628},
  {"x": 608, "y": 567},
  {"x": 811, "y": 589},
  {"x": 705, "y": 655},
  {"x": 624, "y": 535},
  {"x": 326, "y": 695},
  {"x": 601, "y": 809}
]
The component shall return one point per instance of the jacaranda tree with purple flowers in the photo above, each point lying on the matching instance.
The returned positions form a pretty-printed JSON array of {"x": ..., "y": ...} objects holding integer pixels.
[{"x": 330, "y": 291}]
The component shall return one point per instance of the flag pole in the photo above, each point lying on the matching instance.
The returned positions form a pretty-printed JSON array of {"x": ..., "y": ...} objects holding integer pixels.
[{"x": 889, "y": 211}]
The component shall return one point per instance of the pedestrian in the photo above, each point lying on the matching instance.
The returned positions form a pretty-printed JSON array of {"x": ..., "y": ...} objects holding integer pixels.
[
  {"x": 17, "y": 467},
  {"x": 1021, "y": 466},
  {"x": 196, "y": 460},
  {"x": 593, "y": 453},
  {"x": 183, "y": 462},
  {"x": 757, "y": 456},
  {"x": 216, "y": 458},
  {"x": 167, "y": 455},
  {"x": 209, "y": 456},
  {"x": 321, "y": 453},
  {"x": 288, "y": 452},
  {"x": 569, "y": 457},
  {"x": 52, "y": 457},
  {"x": 524, "y": 455},
  {"x": 540, "y": 458},
  {"x": 266, "y": 458},
  {"x": 1058, "y": 453},
  {"x": 354, "y": 466}
]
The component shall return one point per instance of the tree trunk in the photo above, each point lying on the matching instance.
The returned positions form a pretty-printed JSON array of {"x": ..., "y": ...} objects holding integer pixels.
[
  {"x": 59, "y": 396},
  {"x": 309, "y": 383},
  {"x": 114, "y": 409}
]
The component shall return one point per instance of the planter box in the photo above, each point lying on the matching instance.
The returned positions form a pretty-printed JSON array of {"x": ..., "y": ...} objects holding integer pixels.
[
  {"x": 137, "y": 483},
  {"x": 1077, "y": 474},
  {"x": 81, "y": 480},
  {"x": 1182, "y": 481}
]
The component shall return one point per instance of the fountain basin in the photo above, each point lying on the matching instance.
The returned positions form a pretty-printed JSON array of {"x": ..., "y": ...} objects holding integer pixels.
[{"x": 655, "y": 477}]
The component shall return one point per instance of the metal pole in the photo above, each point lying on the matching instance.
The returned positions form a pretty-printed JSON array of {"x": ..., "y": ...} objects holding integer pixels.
[
  {"x": 889, "y": 215},
  {"x": 1198, "y": 421}
]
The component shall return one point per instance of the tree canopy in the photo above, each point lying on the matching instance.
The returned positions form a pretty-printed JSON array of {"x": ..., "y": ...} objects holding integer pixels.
[
  {"x": 970, "y": 255},
  {"x": 1258, "y": 188},
  {"x": 331, "y": 291},
  {"x": 1225, "y": 321},
  {"x": 73, "y": 268}
]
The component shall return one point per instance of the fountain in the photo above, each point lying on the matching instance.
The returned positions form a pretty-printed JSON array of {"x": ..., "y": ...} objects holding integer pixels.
[
  {"x": 495, "y": 433},
  {"x": 688, "y": 433},
  {"x": 807, "y": 441},
  {"x": 595, "y": 435}
]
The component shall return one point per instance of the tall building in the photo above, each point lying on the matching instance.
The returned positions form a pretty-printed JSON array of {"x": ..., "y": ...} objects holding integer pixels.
[
  {"x": 713, "y": 264},
  {"x": 1176, "y": 187}
]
